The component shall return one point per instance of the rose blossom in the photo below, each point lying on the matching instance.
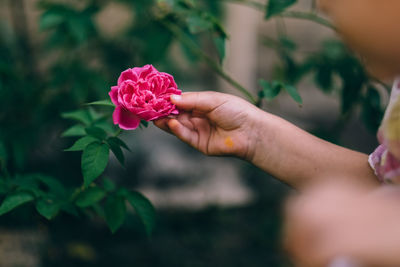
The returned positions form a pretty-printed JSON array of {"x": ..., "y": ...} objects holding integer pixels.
[{"x": 142, "y": 94}]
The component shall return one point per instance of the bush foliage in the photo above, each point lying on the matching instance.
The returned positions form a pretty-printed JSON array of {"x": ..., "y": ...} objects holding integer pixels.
[{"x": 45, "y": 83}]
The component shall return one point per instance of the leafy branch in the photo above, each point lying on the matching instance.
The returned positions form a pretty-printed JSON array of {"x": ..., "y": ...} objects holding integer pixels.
[{"x": 182, "y": 37}]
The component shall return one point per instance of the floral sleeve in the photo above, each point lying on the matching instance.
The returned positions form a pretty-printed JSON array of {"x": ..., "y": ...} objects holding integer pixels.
[{"x": 385, "y": 160}]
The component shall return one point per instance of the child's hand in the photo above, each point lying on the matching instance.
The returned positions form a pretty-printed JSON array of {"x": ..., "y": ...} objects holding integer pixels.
[
  {"x": 341, "y": 222},
  {"x": 214, "y": 123}
]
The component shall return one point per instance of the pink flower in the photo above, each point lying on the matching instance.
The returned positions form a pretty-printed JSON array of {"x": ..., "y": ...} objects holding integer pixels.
[{"x": 142, "y": 94}]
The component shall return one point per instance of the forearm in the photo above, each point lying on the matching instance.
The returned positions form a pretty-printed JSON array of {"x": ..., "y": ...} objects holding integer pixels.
[{"x": 299, "y": 158}]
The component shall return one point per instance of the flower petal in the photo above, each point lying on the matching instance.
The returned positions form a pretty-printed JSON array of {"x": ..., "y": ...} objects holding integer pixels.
[
  {"x": 125, "y": 119},
  {"x": 149, "y": 115},
  {"x": 146, "y": 70},
  {"x": 128, "y": 74},
  {"x": 114, "y": 95}
]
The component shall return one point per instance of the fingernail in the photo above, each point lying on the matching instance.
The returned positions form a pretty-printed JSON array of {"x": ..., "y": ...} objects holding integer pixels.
[
  {"x": 343, "y": 262},
  {"x": 176, "y": 97}
]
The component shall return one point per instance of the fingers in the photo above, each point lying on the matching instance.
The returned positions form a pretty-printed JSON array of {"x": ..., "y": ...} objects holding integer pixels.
[
  {"x": 199, "y": 101},
  {"x": 181, "y": 131},
  {"x": 163, "y": 124}
]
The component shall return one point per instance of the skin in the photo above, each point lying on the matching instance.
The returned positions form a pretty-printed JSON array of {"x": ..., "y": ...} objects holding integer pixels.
[
  {"x": 370, "y": 27},
  {"x": 342, "y": 211},
  {"x": 334, "y": 220},
  {"x": 221, "y": 124}
]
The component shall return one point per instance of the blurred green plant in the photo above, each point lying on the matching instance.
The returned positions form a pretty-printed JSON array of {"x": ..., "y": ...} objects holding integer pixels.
[{"x": 75, "y": 63}]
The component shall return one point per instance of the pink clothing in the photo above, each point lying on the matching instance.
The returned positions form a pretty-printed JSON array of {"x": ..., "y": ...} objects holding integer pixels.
[{"x": 385, "y": 160}]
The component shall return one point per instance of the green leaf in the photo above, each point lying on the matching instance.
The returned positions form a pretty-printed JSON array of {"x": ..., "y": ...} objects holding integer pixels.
[
  {"x": 94, "y": 161},
  {"x": 220, "y": 45},
  {"x": 119, "y": 142},
  {"x": 96, "y": 132},
  {"x": 50, "y": 19},
  {"x": 106, "y": 103},
  {"x": 14, "y": 200},
  {"x": 323, "y": 78},
  {"x": 51, "y": 185},
  {"x": 143, "y": 208},
  {"x": 76, "y": 130},
  {"x": 116, "y": 149},
  {"x": 47, "y": 208},
  {"x": 144, "y": 123},
  {"x": 270, "y": 90},
  {"x": 115, "y": 212},
  {"x": 293, "y": 93},
  {"x": 275, "y": 7},
  {"x": 81, "y": 143},
  {"x": 93, "y": 114},
  {"x": 198, "y": 23},
  {"x": 372, "y": 111},
  {"x": 78, "y": 115},
  {"x": 3, "y": 155},
  {"x": 107, "y": 126},
  {"x": 77, "y": 29},
  {"x": 287, "y": 43},
  {"x": 90, "y": 196},
  {"x": 5, "y": 185},
  {"x": 108, "y": 185}
]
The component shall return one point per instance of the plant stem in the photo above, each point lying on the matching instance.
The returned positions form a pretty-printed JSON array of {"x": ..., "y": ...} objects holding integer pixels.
[
  {"x": 252, "y": 4},
  {"x": 181, "y": 36},
  {"x": 308, "y": 16}
]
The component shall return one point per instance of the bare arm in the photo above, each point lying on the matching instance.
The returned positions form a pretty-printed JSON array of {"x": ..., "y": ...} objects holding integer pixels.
[
  {"x": 299, "y": 158},
  {"x": 221, "y": 124}
]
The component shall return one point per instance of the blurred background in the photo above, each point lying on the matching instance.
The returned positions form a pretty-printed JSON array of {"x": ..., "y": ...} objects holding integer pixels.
[{"x": 210, "y": 211}]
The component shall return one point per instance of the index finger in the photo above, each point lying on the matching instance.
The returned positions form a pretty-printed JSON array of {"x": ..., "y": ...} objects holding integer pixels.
[{"x": 198, "y": 101}]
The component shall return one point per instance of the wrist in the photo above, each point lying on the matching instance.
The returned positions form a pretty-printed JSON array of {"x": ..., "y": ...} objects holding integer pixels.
[{"x": 259, "y": 136}]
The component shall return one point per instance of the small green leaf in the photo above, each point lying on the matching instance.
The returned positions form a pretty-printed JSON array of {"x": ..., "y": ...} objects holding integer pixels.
[
  {"x": 293, "y": 93},
  {"x": 115, "y": 212},
  {"x": 96, "y": 132},
  {"x": 372, "y": 111},
  {"x": 47, "y": 208},
  {"x": 52, "y": 185},
  {"x": 270, "y": 90},
  {"x": 109, "y": 127},
  {"x": 81, "y": 143},
  {"x": 90, "y": 196},
  {"x": 105, "y": 103},
  {"x": 93, "y": 114},
  {"x": 275, "y": 7},
  {"x": 143, "y": 208},
  {"x": 94, "y": 161},
  {"x": 76, "y": 130},
  {"x": 119, "y": 142},
  {"x": 108, "y": 185},
  {"x": 323, "y": 78},
  {"x": 144, "y": 123},
  {"x": 198, "y": 23},
  {"x": 77, "y": 29},
  {"x": 50, "y": 19},
  {"x": 116, "y": 149},
  {"x": 3, "y": 156},
  {"x": 78, "y": 115},
  {"x": 220, "y": 45},
  {"x": 14, "y": 200}
]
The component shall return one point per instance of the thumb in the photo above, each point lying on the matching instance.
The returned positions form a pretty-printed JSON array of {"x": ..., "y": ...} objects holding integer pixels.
[{"x": 199, "y": 101}]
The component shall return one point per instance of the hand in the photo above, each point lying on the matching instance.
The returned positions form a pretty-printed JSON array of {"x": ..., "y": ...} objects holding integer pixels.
[
  {"x": 334, "y": 221},
  {"x": 213, "y": 123}
]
